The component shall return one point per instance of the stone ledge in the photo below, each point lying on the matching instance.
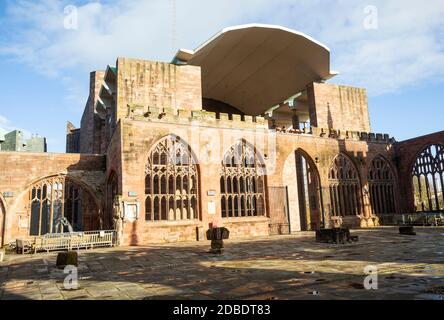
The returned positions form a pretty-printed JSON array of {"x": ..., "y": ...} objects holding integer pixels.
[
  {"x": 245, "y": 219},
  {"x": 340, "y": 134},
  {"x": 166, "y": 224}
]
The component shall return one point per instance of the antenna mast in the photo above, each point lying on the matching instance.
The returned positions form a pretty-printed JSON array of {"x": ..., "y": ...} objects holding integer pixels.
[{"x": 173, "y": 26}]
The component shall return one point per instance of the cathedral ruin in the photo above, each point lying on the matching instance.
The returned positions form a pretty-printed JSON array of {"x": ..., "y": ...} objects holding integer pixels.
[{"x": 243, "y": 132}]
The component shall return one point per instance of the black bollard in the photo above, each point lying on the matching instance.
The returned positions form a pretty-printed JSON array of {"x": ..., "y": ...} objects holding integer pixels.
[
  {"x": 407, "y": 230},
  {"x": 69, "y": 258},
  {"x": 217, "y": 237}
]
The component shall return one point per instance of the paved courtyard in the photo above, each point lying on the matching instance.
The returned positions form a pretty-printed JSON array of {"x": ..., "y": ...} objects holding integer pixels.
[{"x": 286, "y": 267}]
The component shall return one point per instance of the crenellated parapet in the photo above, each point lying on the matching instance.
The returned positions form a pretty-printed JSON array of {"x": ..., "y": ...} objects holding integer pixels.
[
  {"x": 342, "y": 134},
  {"x": 236, "y": 121},
  {"x": 201, "y": 117}
]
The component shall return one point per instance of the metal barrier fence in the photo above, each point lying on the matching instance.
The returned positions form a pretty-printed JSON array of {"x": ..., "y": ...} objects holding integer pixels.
[
  {"x": 76, "y": 240},
  {"x": 415, "y": 219}
]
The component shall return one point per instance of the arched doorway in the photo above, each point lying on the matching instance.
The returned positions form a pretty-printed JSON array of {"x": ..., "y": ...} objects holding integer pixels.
[
  {"x": 381, "y": 183},
  {"x": 53, "y": 198},
  {"x": 345, "y": 188},
  {"x": 309, "y": 192},
  {"x": 428, "y": 179}
]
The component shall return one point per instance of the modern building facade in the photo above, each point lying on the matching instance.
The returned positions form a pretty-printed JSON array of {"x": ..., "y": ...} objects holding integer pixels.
[{"x": 243, "y": 132}]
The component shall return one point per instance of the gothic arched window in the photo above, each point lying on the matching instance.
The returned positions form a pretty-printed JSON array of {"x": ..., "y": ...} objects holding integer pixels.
[
  {"x": 345, "y": 190},
  {"x": 381, "y": 182},
  {"x": 57, "y": 197},
  {"x": 428, "y": 179},
  {"x": 242, "y": 182},
  {"x": 171, "y": 182}
]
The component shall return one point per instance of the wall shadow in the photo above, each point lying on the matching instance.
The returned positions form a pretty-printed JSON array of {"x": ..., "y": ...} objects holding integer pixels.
[{"x": 263, "y": 269}]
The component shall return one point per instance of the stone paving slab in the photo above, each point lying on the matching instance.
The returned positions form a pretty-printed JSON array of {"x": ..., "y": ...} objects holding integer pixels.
[{"x": 286, "y": 267}]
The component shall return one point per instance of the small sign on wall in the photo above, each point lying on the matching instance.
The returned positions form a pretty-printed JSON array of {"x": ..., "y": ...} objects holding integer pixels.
[
  {"x": 23, "y": 222},
  {"x": 212, "y": 193},
  {"x": 211, "y": 207},
  {"x": 131, "y": 211}
]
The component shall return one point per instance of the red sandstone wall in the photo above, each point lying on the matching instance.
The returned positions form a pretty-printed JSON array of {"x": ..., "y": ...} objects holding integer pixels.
[
  {"x": 140, "y": 136},
  {"x": 114, "y": 155},
  {"x": 113, "y": 166},
  {"x": 338, "y": 107},
  {"x": 89, "y": 132},
  {"x": 157, "y": 84},
  {"x": 323, "y": 151}
]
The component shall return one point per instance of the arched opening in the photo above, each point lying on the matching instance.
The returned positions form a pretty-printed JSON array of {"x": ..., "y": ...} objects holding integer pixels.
[
  {"x": 54, "y": 198},
  {"x": 242, "y": 178},
  {"x": 309, "y": 192},
  {"x": 171, "y": 182},
  {"x": 345, "y": 188},
  {"x": 381, "y": 185},
  {"x": 428, "y": 179},
  {"x": 111, "y": 193}
]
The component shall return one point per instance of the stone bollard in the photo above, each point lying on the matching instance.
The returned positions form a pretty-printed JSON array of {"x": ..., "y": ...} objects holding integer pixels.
[
  {"x": 217, "y": 246},
  {"x": 217, "y": 237},
  {"x": 335, "y": 235},
  {"x": 407, "y": 230},
  {"x": 2, "y": 255},
  {"x": 69, "y": 258}
]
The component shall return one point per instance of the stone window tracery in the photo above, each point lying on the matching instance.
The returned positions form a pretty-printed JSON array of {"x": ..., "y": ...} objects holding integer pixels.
[
  {"x": 381, "y": 182},
  {"x": 345, "y": 193},
  {"x": 57, "y": 197},
  {"x": 428, "y": 179},
  {"x": 171, "y": 182},
  {"x": 242, "y": 183}
]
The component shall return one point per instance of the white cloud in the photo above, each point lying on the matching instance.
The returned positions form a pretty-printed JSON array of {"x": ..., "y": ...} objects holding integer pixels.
[
  {"x": 406, "y": 49},
  {"x": 6, "y": 126},
  {"x": 126, "y": 28}
]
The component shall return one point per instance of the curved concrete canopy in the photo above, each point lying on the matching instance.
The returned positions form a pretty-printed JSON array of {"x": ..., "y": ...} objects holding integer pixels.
[{"x": 254, "y": 67}]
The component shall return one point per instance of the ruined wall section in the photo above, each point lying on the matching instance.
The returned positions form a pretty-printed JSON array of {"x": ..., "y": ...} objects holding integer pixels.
[
  {"x": 338, "y": 107},
  {"x": 209, "y": 135},
  {"x": 20, "y": 170},
  {"x": 90, "y": 133},
  {"x": 158, "y": 85},
  {"x": 406, "y": 154}
]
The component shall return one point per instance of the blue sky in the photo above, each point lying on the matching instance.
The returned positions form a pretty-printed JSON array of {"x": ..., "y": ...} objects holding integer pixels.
[{"x": 45, "y": 67}]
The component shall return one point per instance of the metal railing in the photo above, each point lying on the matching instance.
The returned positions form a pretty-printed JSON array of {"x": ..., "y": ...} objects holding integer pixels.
[
  {"x": 75, "y": 240},
  {"x": 414, "y": 219}
]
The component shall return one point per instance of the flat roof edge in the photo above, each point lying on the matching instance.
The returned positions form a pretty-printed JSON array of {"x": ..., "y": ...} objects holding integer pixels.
[
  {"x": 190, "y": 53},
  {"x": 260, "y": 25}
]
